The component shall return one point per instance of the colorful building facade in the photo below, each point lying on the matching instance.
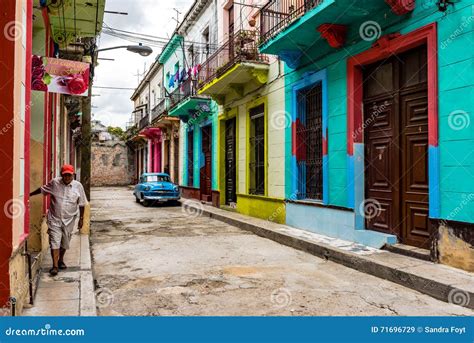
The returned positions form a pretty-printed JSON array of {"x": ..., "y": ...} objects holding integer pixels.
[
  {"x": 350, "y": 125},
  {"x": 38, "y": 132},
  {"x": 193, "y": 42},
  {"x": 249, "y": 88},
  {"x": 388, "y": 89}
]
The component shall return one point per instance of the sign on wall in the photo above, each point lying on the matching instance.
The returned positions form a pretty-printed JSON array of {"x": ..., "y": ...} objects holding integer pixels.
[{"x": 56, "y": 75}]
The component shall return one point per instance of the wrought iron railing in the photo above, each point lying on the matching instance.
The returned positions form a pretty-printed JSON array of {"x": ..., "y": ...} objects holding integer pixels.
[
  {"x": 185, "y": 89},
  {"x": 242, "y": 46},
  {"x": 159, "y": 110},
  {"x": 144, "y": 122},
  {"x": 276, "y": 15}
]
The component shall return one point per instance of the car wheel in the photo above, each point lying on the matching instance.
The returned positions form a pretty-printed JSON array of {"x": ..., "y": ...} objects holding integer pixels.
[
  {"x": 137, "y": 200},
  {"x": 146, "y": 203}
]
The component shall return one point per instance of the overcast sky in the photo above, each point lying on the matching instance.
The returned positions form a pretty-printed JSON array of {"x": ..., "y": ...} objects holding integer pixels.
[{"x": 152, "y": 17}]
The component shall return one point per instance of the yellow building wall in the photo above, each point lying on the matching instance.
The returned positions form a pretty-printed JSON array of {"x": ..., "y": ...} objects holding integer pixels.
[{"x": 271, "y": 209}]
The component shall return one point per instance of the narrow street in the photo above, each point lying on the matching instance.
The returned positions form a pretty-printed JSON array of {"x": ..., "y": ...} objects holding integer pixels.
[{"x": 164, "y": 261}]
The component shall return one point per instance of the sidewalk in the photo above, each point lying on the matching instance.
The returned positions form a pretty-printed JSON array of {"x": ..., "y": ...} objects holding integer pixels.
[
  {"x": 71, "y": 292},
  {"x": 437, "y": 280}
]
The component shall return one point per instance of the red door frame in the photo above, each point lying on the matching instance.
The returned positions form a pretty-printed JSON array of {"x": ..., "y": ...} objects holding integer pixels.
[
  {"x": 355, "y": 133},
  {"x": 29, "y": 47},
  {"x": 7, "y": 141}
]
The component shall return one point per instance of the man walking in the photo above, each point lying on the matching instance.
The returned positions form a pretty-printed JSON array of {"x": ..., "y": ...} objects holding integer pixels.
[{"x": 67, "y": 203}]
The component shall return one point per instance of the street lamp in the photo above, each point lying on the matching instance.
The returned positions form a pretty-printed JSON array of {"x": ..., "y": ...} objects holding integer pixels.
[{"x": 142, "y": 50}]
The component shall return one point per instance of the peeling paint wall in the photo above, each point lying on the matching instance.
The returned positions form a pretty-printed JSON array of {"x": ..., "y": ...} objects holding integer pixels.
[{"x": 455, "y": 246}]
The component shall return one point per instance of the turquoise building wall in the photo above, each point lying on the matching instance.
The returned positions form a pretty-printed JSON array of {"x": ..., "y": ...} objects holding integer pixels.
[
  {"x": 198, "y": 152},
  {"x": 456, "y": 93}
]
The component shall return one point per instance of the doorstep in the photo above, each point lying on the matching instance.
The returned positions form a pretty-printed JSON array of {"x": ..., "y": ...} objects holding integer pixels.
[{"x": 439, "y": 281}]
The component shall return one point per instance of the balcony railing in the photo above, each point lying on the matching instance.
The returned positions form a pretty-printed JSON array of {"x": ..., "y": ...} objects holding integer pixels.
[
  {"x": 159, "y": 110},
  {"x": 186, "y": 89},
  {"x": 144, "y": 122},
  {"x": 276, "y": 15},
  {"x": 242, "y": 46}
]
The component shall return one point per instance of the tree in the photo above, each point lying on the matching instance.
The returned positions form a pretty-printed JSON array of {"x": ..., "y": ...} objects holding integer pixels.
[{"x": 117, "y": 132}]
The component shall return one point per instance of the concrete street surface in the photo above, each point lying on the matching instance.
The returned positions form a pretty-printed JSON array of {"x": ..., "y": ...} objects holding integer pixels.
[{"x": 164, "y": 260}]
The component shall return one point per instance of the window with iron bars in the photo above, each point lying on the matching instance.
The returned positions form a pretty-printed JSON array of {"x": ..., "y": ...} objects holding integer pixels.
[
  {"x": 190, "y": 154},
  {"x": 309, "y": 143},
  {"x": 257, "y": 150}
]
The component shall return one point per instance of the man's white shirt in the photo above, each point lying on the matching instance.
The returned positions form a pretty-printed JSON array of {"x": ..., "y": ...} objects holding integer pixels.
[{"x": 65, "y": 200}]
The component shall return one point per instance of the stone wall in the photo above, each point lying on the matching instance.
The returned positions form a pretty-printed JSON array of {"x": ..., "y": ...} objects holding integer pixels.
[{"x": 110, "y": 164}]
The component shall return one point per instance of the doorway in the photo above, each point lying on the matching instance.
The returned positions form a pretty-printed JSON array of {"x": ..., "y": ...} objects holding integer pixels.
[
  {"x": 230, "y": 161},
  {"x": 395, "y": 109},
  {"x": 206, "y": 169}
]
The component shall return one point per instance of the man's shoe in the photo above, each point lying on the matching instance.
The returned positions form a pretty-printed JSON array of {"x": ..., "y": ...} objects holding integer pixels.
[
  {"x": 62, "y": 265},
  {"x": 53, "y": 271}
]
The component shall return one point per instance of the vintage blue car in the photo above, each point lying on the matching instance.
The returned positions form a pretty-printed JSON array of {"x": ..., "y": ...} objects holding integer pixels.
[{"x": 156, "y": 187}]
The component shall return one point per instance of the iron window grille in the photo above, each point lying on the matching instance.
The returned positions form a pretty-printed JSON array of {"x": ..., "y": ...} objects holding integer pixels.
[
  {"x": 257, "y": 151},
  {"x": 309, "y": 143}
]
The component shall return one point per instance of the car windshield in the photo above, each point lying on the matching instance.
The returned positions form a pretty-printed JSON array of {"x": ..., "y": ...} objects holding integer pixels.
[{"x": 157, "y": 178}]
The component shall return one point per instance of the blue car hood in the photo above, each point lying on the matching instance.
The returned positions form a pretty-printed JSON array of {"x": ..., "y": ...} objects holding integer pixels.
[{"x": 160, "y": 185}]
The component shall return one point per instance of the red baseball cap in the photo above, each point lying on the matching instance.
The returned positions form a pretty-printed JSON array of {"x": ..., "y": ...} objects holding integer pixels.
[{"x": 67, "y": 169}]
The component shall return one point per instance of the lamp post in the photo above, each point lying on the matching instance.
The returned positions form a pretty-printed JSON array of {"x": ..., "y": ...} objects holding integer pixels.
[{"x": 140, "y": 49}]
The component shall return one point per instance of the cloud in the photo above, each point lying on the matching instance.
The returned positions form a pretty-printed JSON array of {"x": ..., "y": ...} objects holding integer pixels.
[{"x": 152, "y": 17}]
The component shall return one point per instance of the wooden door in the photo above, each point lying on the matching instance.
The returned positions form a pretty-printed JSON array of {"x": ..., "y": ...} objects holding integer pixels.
[
  {"x": 206, "y": 170},
  {"x": 230, "y": 161},
  {"x": 396, "y": 147}
]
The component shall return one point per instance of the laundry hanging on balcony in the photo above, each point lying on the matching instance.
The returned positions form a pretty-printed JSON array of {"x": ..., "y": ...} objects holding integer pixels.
[
  {"x": 171, "y": 82},
  {"x": 182, "y": 76}
]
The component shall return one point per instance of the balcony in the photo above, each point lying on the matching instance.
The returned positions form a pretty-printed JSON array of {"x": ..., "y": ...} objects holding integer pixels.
[
  {"x": 290, "y": 28},
  {"x": 186, "y": 103},
  {"x": 159, "y": 111},
  {"x": 144, "y": 122},
  {"x": 234, "y": 65}
]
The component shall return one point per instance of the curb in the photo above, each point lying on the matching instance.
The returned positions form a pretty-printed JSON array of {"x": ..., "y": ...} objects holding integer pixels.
[
  {"x": 87, "y": 303},
  {"x": 440, "y": 290}
]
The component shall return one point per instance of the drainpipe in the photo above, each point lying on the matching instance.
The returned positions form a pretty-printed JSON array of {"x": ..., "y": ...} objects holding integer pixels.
[
  {"x": 12, "y": 301},
  {"x": 30, "y": 272}
]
